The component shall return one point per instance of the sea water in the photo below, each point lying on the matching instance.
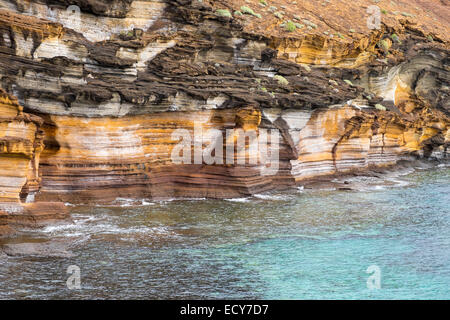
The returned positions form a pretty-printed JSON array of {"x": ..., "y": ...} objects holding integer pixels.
[{"x": 301, "y": 244}]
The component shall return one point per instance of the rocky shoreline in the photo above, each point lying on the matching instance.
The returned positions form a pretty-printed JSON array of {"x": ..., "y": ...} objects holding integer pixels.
[{"x": 90, "y": 97}]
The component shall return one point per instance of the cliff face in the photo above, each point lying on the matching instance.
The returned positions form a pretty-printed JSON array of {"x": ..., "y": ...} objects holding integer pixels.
[
  {"x": 106, "y": 84},
  {"x": 21, "y": 143}
]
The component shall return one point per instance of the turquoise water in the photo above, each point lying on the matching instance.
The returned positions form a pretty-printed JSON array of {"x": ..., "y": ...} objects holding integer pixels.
[{"x": 301, "y": 244}]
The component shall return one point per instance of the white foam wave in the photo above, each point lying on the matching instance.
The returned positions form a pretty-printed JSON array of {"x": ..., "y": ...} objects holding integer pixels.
[
  {"x": 146, "y": 203},
  {"x": 87, "y": 226},
  {"x": 238, "y": 200},
  {"x": 272, "y": 197},
  {"x": 400, "y": 183}
]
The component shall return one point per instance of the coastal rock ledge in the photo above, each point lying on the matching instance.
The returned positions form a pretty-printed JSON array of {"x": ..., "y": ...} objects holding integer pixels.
[{"x": 92, "y": 92}]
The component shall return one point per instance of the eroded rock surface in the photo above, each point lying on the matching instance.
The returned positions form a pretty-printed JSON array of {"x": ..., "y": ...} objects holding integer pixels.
[
  {"x": 21, "y": 143},
  {"x": 104, "y": 85}
]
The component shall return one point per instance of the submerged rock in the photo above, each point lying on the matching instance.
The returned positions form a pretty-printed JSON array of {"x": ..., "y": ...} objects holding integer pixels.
[{"x": 45, "y": 249}]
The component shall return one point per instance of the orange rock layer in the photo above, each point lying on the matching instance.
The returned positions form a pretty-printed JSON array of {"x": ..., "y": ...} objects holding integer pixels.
[
  {"x": 21, "y": 143},
  {"x": 132, "y": 157}
]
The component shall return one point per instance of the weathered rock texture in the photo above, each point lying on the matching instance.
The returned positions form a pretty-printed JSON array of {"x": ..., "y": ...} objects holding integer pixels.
[
  {"x": 105, "y": 84},
  {"x": 21, "y": 143}
]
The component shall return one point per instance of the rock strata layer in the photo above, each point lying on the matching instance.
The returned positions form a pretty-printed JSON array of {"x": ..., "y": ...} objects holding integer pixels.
[
  {"x": 94, "y": 94},
  {"x": 21, "y": 144}
]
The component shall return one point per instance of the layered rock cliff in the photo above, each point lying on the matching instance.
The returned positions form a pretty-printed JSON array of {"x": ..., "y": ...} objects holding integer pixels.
[
  {"x": 21, "y": 144},
  {"x": 95, "y": 90}
]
